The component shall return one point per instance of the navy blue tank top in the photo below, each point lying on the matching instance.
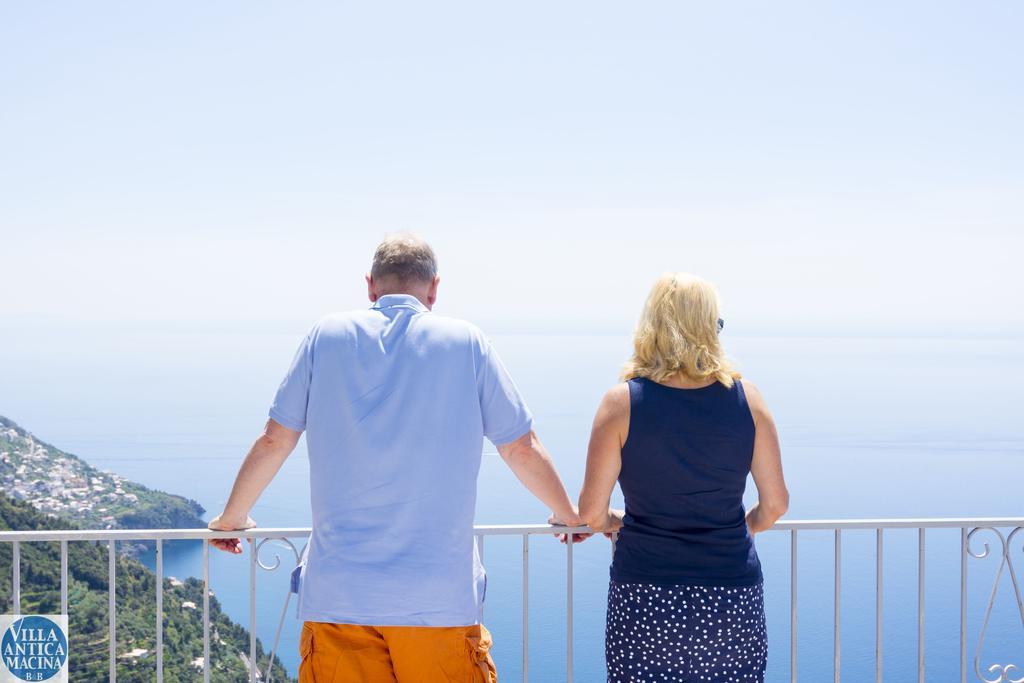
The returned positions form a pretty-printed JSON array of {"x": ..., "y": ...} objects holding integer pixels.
[{"x": 684, "y": 467}]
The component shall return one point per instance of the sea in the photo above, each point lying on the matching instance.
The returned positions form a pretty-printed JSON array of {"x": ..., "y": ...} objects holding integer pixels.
[{"x": 872, "y": 426}]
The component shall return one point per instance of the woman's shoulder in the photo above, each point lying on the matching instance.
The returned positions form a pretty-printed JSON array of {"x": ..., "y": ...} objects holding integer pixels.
[
  {"x": 755, "y": 400},
  {"x": 748, "y": 388},
  {"x": 613, "y": 413},
  {"x": 615, "y": 403},
  {"x": 617, "y": 398}
]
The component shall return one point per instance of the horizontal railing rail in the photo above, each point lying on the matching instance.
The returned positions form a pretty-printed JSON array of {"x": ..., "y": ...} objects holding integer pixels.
[
  {"x": 491, "y": 529},
  {"x": 969, "y": 528}
]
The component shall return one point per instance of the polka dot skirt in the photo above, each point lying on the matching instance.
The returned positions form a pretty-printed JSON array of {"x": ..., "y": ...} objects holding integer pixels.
[{"x": 685, "y": 633}]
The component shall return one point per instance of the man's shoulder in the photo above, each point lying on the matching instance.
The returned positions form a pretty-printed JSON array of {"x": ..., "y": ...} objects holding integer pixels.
[
  {"x": 452, "y": 330},
  {"x": 454, "y": 324},
  {"x": 341, "y": 320},
  {"x": 341, "y": 327}
]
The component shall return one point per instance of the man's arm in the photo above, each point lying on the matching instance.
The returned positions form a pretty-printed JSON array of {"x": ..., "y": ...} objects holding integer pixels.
[
  {"x": 529, "y": 460},
  {"x": 265, "y": 458}
]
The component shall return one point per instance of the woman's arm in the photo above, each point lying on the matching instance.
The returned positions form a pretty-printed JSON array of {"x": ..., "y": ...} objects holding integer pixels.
[
  {"x": 604, "y": 459},
  {"x": 766, "y": 467}
]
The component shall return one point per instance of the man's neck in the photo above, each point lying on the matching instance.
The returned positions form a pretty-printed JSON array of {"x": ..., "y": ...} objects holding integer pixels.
[{"x": 422, "y": 297}]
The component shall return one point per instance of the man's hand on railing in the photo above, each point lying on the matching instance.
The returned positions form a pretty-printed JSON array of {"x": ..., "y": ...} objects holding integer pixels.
[{"x": 229, "y": 545}]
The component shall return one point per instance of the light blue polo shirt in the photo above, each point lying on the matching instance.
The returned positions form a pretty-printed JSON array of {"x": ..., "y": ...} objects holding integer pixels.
[{"x": 396, "y": 402}]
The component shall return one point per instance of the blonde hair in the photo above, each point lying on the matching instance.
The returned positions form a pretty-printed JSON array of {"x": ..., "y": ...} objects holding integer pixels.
[{"x": 678, "y": 333}]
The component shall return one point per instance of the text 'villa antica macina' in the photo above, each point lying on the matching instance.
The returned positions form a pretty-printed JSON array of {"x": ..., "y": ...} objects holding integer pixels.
[{"x": 34, "y": 648}]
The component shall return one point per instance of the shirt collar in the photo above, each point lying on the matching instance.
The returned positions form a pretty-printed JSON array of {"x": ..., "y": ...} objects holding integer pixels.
[{"x": 403, "y": 300}]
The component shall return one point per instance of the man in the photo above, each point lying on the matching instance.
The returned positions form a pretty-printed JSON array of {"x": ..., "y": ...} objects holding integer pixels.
[{"x": 395, "y": 402}]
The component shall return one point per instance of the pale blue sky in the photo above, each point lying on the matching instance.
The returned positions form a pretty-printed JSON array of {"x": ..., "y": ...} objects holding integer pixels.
[{"x": 833, "y": 166}]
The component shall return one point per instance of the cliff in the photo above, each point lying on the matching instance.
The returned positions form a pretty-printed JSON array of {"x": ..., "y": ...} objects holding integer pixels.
[{"x": 60, "y": 484}]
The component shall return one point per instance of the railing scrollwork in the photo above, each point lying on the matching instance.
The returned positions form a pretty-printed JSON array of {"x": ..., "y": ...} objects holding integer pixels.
[
  {"x": 285, "y": 544},
  {"x": 1004, "y": 673},
  {"x": 281, "y": 543}
]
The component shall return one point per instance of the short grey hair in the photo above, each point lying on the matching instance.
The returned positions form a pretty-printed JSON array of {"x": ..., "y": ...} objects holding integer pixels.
[{"x": 405, "y": 258}]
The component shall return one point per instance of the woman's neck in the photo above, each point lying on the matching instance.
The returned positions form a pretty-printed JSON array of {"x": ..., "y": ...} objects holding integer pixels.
[{"x": 683, "y": 382}]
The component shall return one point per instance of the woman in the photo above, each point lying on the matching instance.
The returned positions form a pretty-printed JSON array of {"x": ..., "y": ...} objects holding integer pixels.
[{"x": 680, "y": 435}]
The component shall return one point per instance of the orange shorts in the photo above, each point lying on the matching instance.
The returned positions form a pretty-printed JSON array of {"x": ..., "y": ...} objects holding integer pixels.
[{"x": 347, "y": 653}]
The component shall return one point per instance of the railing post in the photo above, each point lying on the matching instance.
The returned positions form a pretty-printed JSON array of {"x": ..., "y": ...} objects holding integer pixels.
[
  {"x": 206, "y": 611},
  {"x": 963, "y": 604},
  {"x": 920, "y": 605},
  {"x": 879, "y": 549},
  {"x": 568, "y": 607},
  {"x": 836, "y": 637},
  {"x": 526, "y": 606},
  {"x": 64, "y": 577},
  {"x": 792, "y": 606},
  {"x": 252, "y": 611},
  {"x": 112, "y": 607},
  {"x": 16, "y": 577},
  {"x": 159, "y": 611}
]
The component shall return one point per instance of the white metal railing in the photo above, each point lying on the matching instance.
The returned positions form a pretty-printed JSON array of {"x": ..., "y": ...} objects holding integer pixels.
[{"x": 968, "y": 528}]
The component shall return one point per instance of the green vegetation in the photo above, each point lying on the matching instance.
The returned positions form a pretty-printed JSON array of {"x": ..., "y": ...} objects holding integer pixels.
[
  {"x": 46, "y": 488},
  {"x": 135, "y": 590}
]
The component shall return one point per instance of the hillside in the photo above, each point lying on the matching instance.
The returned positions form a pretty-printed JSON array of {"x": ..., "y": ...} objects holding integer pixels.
[
  {"x": 61, "y": 484},
  {"x": 136, "y": 610}
]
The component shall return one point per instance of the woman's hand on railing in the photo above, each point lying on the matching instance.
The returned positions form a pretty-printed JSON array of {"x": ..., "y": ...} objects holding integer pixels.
[
  {"x": 607, "y": 523},
  {"x": 574, "y": 521},
  {"x": 614, "y": 522},
  {"x": 229, "y": 545}
]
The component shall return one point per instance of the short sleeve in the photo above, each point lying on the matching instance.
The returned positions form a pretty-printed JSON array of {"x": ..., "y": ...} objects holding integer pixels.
[
  {"x": 289, "y": 407},
  {"x": 504, "y": 412}
]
